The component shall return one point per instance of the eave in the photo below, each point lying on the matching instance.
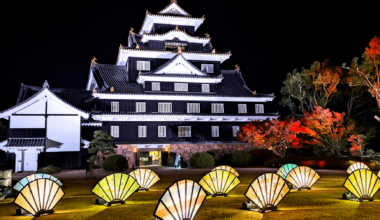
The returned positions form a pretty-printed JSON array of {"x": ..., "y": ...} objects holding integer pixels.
[{"x": 175, "y": 33}]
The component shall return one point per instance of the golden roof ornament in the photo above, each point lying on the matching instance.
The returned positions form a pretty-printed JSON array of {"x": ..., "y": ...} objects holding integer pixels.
[
  {"x": 137, "y": 47},
  {"x": 147, "y": 12},
  {"x": 221, "y": 75},
  {"x": 204, "y": 17},
  {"x": 93, "y": 61},
  {"x": 176, "y": 28},
  {"x": 174, "y": 1},
  {"x": 237, "y": 67},
  {"x": 131, "y": 31},
  {"x": 229, "y": 53},
  {"x": 213, "y": 51},
  {"x": 94, "y": 90},
  {"x": 179, "y": 50},
  {"x": 254, "y": 92},
  {"x": 121, "y": 46},
  {"x": 112, "y": 89},
  {"x": 140, "y": 72},
  {"x": 207, "y": 35}
]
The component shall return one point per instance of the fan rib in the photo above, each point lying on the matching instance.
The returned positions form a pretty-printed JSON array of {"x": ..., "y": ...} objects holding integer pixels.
[
  {"x": 372, "y": 188},
  {"x": 113, "y": 198},
  {"x": 353, "y": 186},
  {"x": 35, "y": 211},
  {"x": 126, "y": 193},
  {"x": 55, "y": 194},
  {"x": 125, "y": 186},
  {"x": 195, "y": 203},
  {"x": 361, "y": 192},
  {"x": 223, "y": 184},
  {"x": 217, "y": 184},
  {"x": 180, "y": 202},
  {"x": 167, "y": 209},
  {"x": 43, "y": 204},
  {"x": 146, "y": 179},
  {"x": 229, "y": 185},
  {"x": 368, "y": 185},
  {"x": 257, "y": 195},
  {"x": 274, "y": 191},
  {"x": 104, "y": 192},
  {"x": 279, "y": 193},
  {"x": 191, "y": 200},
  {"x": 35, "y": 203},
  {"x": 38, "y": 194},
  {"x": 298, "y": 178},
  {"x": 270, "y": 191},
  {"x": 261, "y": 192},
  {"x": 171, "y": 197},
  {"x": 185, "y": 198},
  {"x": 148, "y": 184},
  {"x": 209, "y": 185}
]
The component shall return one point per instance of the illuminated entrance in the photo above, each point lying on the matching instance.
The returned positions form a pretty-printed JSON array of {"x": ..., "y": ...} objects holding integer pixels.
[{"x": 150, "y": 158}]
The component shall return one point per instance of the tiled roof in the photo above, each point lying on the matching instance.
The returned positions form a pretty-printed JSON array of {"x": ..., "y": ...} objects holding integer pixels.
[
  {"x": 181, "y": 76},
  {"x": 26, "y": 142},
  {"x": 108, "y": 76},
  {"x": 183, "y": 114},
  {"x": 153, "y": 35},
  {"x": 160, "y": 12}
]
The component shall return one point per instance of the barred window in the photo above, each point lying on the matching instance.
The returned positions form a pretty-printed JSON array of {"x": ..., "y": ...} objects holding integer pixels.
[
  {"x": 215, "y": 131},
  {"x": 259, "y": 108},
  {"x": 114, "y": 106},
  {"x": 164, "y": 107},
  {"x": 142, "y": 131},
  {"x": 181, "y": 87},
  {"x": 184, "y": 131},
  {"x": 140, "y": 107},
  {"x": 143, "y": 65},
  {"x": 217, "y": 108},
  {"x": 161, "y": 131},
  {"x": 193, "y": 108},
  {"x": 115, "y": 131},
  {"x": 242, "y": 108},
  {"x": 208, "y": 68},
  {"x": 171, "y": 45},
  {"x": 155, "y": 86},
  {"x": 205, "y": 87},
  {"x": 235, "y": 129}
]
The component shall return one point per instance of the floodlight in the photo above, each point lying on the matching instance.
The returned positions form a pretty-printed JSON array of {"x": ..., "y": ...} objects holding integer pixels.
[
  {"x": 302, "y": 177},
  {"x": 219, "y": 182},
  {"x": 115, "y": 189},
  {"x": 24, "y": 181},
  {"x": 145, "y": 178},
  {"x": 357, "y": 166},
  {"x": 39, "y": 196},
  {"x": 228, "y": 168},
  {"x": 363, "y": 184},
  {"x": 181, "y": 201},
  {"x": 265, "y": 192},
  {"x": 285, "y": 169}
]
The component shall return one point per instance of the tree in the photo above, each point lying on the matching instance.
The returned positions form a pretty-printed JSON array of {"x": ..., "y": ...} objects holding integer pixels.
[
  {"x": 357, "y": 143},
  {"x": 3, "y": 130},
  {"x": 328, "y": 128},
  {"x": 274, "y": 135},
  {"x": 304, "y": 90},
  {"x": 367, "y": 72},
  {"x": 100, "y": 144}
]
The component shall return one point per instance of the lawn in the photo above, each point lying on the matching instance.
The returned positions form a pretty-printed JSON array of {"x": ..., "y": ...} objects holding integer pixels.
[{"x": 322, "y": 202}]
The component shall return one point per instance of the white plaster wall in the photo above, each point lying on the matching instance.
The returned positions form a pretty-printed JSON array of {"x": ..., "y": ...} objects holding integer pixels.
[
  {"x": 57, "y": 108},
  {"x": 27, "y": 122},
  {"x": 64, "y": 132},
  {"x": 37, "y": 107},
  {"x": 31, "y": 160}
]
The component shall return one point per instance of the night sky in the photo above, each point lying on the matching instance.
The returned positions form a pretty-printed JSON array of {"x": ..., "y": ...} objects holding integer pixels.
[{"x": 56, "y": 40}]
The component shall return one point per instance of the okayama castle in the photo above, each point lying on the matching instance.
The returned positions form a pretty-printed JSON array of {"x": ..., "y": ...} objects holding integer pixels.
[{"x": 167, "y": 88}]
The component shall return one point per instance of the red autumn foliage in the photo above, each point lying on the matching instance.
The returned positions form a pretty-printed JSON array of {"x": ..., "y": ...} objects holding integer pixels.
[
  {"x": 274, "y": 135},
  {"x": 357, "y": 143}
]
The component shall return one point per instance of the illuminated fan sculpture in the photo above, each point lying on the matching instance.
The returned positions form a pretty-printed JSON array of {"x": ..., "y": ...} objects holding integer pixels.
[
  {"x": 265, "y": 192},
  {"x": 228, "y": 168},
  {"x": 219, "y": 182},
  {"x": 115, "y": 189},
  {"x": 182, "y": 200},
  {"x": 39, "y": 197},
  {"x": 24, "y": 181},
  {"x": 145, "y": 178},
  {"x": 285, "y": 169},
  {"x": 363, "y": 184},
  {"x": 356, "y": 166},
  {"x": 302, "y": 177}
]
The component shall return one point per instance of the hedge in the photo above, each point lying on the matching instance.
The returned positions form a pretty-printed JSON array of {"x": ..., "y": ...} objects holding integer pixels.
[
  {"x": 115, "y": 163},
  {"x": 49, "y": 170},
  {"x": 241, "y": 158},
  {"x": 202, "y": 160}
]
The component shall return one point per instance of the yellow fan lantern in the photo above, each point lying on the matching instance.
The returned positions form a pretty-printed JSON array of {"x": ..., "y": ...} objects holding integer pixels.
[
  {"x": 265, "y": 192},
  {"x": 115, "y": 189},
  {"x": 356, "y": 166},
  {"x": 181, "y": 201},
  {"x": 228, "y": 168},
  {"x": 145, "y": 178},
  {"x": 39, "y": 196},
  {"x": 363, "y": 184},
  {"x": 219, "y": 182},
  {"x": 302, "y": 177}
]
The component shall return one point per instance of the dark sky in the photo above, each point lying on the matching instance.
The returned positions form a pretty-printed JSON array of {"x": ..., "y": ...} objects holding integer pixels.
[{"x": 55, "y": 40}]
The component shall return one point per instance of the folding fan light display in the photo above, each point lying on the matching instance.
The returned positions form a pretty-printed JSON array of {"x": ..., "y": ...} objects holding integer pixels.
[
  {"x": 219, "y": 182},
  {"x": 145, "y": 178},
  {"x": 228, "y": 168},
  {"x": 357, "y": 166},
  {"x": 302, "y": 177},
  {"x": 363, "y": 184},
  {"x": 39, "y": 196},
  {"x": 285, "y": 169},
  {"x": 115, "y": 189},
  {"x": 24, "y": 181},
  {"x": 266, "y": 191},
  {"x": 181, "y": 201}
]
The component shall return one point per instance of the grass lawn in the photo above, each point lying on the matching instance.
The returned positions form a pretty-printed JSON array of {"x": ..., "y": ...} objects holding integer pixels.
[{"x": 322, "y": 202}]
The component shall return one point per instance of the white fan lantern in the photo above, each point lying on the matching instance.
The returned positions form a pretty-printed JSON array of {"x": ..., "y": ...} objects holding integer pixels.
[
  {"x": 145, "y": 178},
  {"x": 356, "y": 166},
  {"x": 362, "y": 184},
  {"x": 227, "y": 168},
  {"x": 302, "y": 177},
  {"x": 219, "y": 182},
  {"x": 265, "y": 192}
]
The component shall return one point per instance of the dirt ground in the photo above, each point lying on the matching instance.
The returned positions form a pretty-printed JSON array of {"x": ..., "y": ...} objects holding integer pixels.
[{"x": 322, "y": 202}]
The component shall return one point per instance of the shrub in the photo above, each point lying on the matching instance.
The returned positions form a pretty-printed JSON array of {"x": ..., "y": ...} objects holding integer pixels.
[
  {"x": 260, "y": 156},
  {"x": 115, "y": 163},
  {"x": 241, "y": 158},
  {"x": 49, "y": 170},
  {"x": 202, "y": 160}
]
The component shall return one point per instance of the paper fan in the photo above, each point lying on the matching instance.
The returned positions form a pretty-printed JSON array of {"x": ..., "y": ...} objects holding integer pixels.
[
  {"x": 115, "y": 188},
  {"x": 357, "y": 166},
  {"x": 39, "y": 196},
  {"x": 266, "y": 191},
  {"x": 363, "y": 184},
  {"x": 302, "y": 177},
  {"x": 182, "y": 200},
  {"x": 145, "y": 178},
  {"x": 219, "y": 182},
  {"x": 24, "y": 181},
  {"x": 228, "y": 168},
  {"x": 285, "y": 169}
]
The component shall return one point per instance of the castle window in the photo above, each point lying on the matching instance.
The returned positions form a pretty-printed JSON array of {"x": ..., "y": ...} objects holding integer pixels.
[
  {"x": 215, "y": 131},
  {"x": 184, "y": 131},
  {"x": 115, "y": 131},
  {"x": 164, "y": 107},
  {"x": 259, "y": 108},
  {"x": 235, "y": 129},
  {"x": 140, "y": 107},
  {"x": 161, "y": 131},
  {"x": 208, "y": 68},
  {"x": 114, "y": 106},
  {"x": 172, "y": 45},
  {"x": 242, "y": 108},
  {"x": 142, "y": 131},
  {"x": 205, "y": 87},
  {"x": 217, "y": 108},
  {"x": 155, "y": 86},
  {"x": 181, "y": 87},
  {"x": 143, "y": 65},
  {"x": 193, "y": 108}
]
